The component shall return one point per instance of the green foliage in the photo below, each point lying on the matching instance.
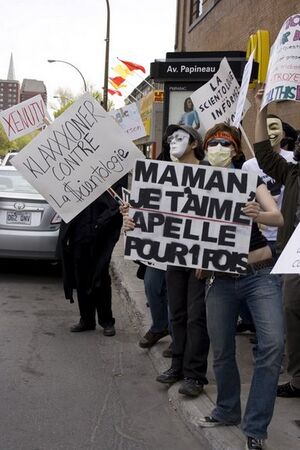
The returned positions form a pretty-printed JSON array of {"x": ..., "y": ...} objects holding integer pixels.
[
  {"x": 62, "y": 109},
  {"x": 6, "y": 145}
]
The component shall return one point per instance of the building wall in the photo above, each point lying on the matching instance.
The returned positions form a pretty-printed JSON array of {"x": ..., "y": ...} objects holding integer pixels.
[
  {"x": 227, "y": 26},
  {"x": 9, "y": 93}
]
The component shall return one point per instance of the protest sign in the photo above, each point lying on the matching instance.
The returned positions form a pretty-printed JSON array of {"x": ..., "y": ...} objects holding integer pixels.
[
  {"x": 283, "y": 76},
  {"x": 154, "y": 264},
  {"x": 243, "y": 91},
  {"x": 289, "y": 260},
  {"x": 24, "y": 117},
  {"x": 190, "y": 215},
  {"x": 216, "y": 101},
  {"x": 129, "y": 119},
  {"x": 78, "y": 157}
]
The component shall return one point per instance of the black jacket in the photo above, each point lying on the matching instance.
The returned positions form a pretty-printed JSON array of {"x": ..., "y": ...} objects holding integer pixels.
[
  {"x": 91, "y": 235},
  {"x": 284, "y": 173}
]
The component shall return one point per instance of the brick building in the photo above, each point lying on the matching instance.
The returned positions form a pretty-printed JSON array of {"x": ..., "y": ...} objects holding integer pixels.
[
  {"x": 9, "y": 89},
  {"x": 30, "y": 88},
  {"x": 225, "y": 25}
]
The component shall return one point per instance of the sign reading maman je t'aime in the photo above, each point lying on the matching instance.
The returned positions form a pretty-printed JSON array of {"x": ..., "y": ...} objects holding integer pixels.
[
  {"x": 283, "y": 77},
  {"x": 289, "y": 260},
  {"x": 75, "y": 159},
  {"x": 216, "y": 101},
  {"x": 24, "y": 117},
  {"x": 190, "y": 215}
]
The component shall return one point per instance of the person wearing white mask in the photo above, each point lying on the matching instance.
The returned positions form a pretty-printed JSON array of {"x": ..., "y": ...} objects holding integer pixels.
[
  {"x": 261, "y": 291},
  {"x": 185, "y": 291}
]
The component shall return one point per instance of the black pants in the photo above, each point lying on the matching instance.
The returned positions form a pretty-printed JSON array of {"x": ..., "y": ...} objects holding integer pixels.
[
  {"x": 186, "y": 296},
  {"x": 93, "y": 299}
]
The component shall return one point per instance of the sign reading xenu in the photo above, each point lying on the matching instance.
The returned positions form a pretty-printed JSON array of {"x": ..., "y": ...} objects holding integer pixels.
[{"x": 190, "y": 215}]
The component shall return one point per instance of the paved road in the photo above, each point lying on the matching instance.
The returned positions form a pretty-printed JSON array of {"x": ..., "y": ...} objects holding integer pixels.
[{"x": 67, "y": 391}]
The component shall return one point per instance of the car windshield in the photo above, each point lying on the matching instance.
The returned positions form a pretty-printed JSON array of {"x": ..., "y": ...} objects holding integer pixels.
[{"x": 13, "y": 181}]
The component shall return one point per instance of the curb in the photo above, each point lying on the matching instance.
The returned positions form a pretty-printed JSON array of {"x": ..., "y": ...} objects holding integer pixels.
[{"x": 131, "y": 291}]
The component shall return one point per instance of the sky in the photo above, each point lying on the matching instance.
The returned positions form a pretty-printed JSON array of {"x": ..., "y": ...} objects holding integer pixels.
[{"x": 74, "y": 31}]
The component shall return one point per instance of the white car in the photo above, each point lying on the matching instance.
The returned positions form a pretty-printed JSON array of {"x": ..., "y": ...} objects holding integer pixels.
[
  {"x": 6, "y": 161},
  {"x": 29, "y": 226}
]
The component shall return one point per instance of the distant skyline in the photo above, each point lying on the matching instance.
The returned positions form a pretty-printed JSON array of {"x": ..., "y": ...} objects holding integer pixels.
[{"x": 74, "y": 31}]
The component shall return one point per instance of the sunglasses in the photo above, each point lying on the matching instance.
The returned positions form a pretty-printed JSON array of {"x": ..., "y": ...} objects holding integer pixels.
[
  {"x": 215, "y": 142},
  {"x": 176, "y": 138}
]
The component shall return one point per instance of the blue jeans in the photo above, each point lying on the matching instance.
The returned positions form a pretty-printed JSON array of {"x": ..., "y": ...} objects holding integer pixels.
[
  {"x": 156, "y": 293},
  {"x": 262, "y": 293}
]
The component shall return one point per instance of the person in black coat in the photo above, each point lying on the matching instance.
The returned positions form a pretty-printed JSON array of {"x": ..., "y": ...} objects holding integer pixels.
[{"x": 87, "y": 243}]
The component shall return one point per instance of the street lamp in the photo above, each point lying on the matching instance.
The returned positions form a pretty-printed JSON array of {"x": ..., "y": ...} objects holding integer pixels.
[
  {"x": 72, "y": 65},
  {"x": 105, "y": 85}
]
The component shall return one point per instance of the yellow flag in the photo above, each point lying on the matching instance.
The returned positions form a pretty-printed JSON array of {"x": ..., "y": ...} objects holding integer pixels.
[{"x": 122, "y": 70}]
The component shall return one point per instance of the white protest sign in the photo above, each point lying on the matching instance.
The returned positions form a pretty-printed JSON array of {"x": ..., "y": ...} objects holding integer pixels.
[
  {"x": 243, "y": 91},
  {"x": 154, "y": 264},
  {"x": 216, "y": 100},
  {"x": 190, "y": 215},
  {"x": 129, "y": 119},
  {"x": 289, "y": 260},
  {"x": 283, "y": 76},
  {"x": 78, "y": 157},
  {"x": 24, "y": 117}
]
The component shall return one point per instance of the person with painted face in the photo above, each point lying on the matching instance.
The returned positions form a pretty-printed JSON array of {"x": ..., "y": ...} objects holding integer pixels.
[
  {"x": 276, "y": 135},
  {"x": 185, "y": 291},
  {"x": 289, "y": 175},
  {"x": 262, "y": 293}
]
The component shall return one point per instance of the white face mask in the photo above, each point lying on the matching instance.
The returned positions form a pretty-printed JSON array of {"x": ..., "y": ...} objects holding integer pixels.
[
  {"x": 219, "y": 156},
  {"x": 275, "y": 130},
  {"x": 178, "y": 141}
]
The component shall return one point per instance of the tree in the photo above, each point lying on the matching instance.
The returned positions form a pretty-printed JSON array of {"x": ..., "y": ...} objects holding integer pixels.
[{"x": 6, "y": 145}]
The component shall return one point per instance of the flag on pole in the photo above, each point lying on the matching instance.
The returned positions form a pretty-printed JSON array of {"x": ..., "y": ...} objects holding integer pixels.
[
  {"x": 117, "y": 80},
  {"x": 113, "y": 92},
  {"x": 122, "y": 70},
  {"x": 132, "y": 66},
  {"x": 116, "y": 86}
]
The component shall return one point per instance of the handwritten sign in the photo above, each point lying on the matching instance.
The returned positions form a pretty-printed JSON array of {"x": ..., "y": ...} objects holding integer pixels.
[
  {"x": 24, "y": 117},
  {"x": 283, "y": 76},
  {"x": 289, "y": 260},
  {"x": 190, "y": 215},
  {"x": 216, "y": 101},
  {"x": 78, "y": 157},
  {"x": 129, "y": 119},
  {"x": 243, "y": 91}
]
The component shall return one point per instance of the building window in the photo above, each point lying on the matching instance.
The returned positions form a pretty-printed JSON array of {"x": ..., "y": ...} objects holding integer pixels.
[
  {"x": 196, "y": 9},
  {"x": 199, "y": 9}
]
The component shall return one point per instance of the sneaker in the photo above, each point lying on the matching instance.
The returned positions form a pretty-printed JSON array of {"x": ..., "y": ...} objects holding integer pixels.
[
  {"x": 287, "y": 390},
  {"x": 243, "y": 328},
  {"x": 254, "y": 444},
  {"x": 170, "y": 376},
  {"x": 191, "y": 387},
  {"x": 151, "y": 338},
  {"x": 109, "y": 330},
  {"x": 209, "y": 422},
  {"x": 167, "y": 353}
]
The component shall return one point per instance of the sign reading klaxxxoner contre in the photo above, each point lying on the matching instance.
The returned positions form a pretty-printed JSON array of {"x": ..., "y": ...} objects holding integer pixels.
[
  {"x": 190, "y": 215},
  {"x": 75, "y": 159}
]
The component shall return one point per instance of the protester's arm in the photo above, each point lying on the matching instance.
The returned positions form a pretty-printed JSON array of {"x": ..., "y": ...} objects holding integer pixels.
[
  {"x": 264, "y": 210},
  {"x": 261, "y": 131},
  {"x": 269, "y": 161},
  {"x": 128, "y": 223}
]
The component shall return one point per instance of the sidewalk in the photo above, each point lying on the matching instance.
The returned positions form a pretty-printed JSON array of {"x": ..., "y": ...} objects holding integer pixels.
[{"x": 284, "y": 431}]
